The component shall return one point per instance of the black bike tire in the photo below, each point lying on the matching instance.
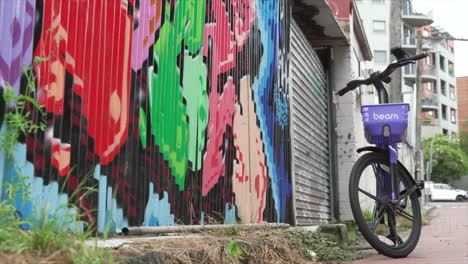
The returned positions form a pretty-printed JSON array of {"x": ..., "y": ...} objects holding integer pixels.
[{"x": 381, "y": 247}]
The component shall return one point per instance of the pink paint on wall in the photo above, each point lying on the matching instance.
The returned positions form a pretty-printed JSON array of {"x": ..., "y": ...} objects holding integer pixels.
[{"x": 221, "y": 115}]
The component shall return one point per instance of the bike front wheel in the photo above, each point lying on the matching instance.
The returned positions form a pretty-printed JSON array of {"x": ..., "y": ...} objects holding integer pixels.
[{"x": 392, "y": 228}]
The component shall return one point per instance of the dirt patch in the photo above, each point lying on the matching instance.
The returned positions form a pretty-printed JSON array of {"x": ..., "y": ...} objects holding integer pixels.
[
  {"x": 258, "y": 247},
  {"x": 26, "y": 258},
  {"x": 230, "y": 246}
]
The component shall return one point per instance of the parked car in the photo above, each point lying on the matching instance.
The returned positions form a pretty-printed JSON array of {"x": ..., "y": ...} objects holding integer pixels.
[{"x": 445, "y": 192}]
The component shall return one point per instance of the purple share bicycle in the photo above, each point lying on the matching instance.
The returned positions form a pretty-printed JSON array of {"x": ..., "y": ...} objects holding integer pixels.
[{"x": 383, "y": 194}]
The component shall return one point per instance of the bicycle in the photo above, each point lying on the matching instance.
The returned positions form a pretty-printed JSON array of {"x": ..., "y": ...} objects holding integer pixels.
[{"x": 379, "y": 184}]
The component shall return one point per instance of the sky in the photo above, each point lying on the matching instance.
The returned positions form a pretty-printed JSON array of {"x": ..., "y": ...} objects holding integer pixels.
[{"x": 452, "y": 15}]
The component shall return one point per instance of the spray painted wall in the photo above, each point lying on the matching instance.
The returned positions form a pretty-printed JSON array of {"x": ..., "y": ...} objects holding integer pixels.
[{"x": 178, "y": 109}]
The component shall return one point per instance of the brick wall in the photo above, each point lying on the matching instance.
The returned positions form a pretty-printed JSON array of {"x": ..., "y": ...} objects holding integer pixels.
[{"x": 462, "y": 95}]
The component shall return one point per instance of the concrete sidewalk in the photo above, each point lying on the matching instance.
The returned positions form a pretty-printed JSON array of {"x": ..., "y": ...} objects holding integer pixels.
[{"x": 444, "y": 240}]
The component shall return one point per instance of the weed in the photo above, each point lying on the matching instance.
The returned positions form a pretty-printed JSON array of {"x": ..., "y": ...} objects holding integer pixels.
[
  {"x": 325, "y": 249},
  {"x": 234, "y": 249},
  {"x": 49, "y": 233},
  {"x": 368, "y": 215}
]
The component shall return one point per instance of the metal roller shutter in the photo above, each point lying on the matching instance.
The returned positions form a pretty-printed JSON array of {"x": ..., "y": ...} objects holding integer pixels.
[{"x": 309, "y": 132}]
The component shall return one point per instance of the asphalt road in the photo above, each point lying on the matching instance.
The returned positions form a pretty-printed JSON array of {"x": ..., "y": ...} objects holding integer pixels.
[{"x": 444, "y": 240}]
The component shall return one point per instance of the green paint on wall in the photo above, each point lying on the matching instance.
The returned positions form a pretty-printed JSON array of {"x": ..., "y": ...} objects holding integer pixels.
[
  {"x": 194, "y": 83},
  {"x": 168, "y": 112},
  {"x": 142, "y": 128}
]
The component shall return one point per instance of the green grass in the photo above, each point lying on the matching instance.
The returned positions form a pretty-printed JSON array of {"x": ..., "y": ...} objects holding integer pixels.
[
  {"x": 50, "y": 235},
  {"x": 325, "y": 249}
]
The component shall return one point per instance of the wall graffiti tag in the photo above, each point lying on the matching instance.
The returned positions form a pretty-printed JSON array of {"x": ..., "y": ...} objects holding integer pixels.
[{"x": 176, "y": 111}]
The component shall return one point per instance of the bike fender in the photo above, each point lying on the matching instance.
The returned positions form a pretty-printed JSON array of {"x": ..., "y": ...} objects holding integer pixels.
[{"x": 379, "y": 150}]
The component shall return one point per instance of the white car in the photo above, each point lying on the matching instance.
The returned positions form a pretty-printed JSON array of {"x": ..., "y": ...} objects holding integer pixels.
[{"x": 442, "y": 191}]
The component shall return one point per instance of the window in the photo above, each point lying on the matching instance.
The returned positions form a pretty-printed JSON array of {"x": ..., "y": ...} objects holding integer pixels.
[
  {"x": 380, "y": 56},
  {"x": 407, "y": 88},
  {"x": 444, "y": 112},
  {"x": 452, "y": 92},
  {"x": 379, "y": 26},
  {"x": 451, "y": 69},
  {"x": 430, "y": 113},
  {"x": 407, "y": 7},
  {"x": 428, "y": 60},
  {"x": 453, "y": 114},
  {"x": 446, "y": 187},
  {"x": 409, "y": 38},
  {"x": 443, "y": 87},
  {"x": 442, "y": 63},
  {"x": 429, "y": 86},
  {"x": 445, "y": 131}
]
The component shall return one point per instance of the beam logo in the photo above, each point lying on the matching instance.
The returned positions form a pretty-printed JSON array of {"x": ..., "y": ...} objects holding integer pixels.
[{"x": 386, "y": 116}]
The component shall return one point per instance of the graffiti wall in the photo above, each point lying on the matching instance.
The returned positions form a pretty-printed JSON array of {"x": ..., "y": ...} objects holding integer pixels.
[{"x": 176, "y": 111}]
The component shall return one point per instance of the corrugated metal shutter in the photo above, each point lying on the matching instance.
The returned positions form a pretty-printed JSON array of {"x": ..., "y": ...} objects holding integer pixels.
[{"x": 309, "y": 131}]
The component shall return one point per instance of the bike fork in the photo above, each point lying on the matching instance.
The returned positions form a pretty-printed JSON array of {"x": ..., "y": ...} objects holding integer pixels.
[
  {"x": 395, "y": 181},
  {"x": 391, "y": 180}
]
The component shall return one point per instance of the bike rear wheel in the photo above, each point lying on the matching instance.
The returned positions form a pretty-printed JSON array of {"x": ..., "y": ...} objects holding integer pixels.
[{"x": 393, "y": 229}]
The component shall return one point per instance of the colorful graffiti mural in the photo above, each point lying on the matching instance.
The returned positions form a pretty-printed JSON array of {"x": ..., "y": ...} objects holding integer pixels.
[{"x": 177, "y": 109}]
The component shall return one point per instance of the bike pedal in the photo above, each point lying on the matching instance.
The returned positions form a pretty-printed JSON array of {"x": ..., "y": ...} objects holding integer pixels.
[{"x": 420, "y": 184}]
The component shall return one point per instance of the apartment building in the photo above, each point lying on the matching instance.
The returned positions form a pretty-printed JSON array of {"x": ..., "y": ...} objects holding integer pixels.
[
  {"x": 439, "y": 87},
  {"x": 462, "y": 96}
]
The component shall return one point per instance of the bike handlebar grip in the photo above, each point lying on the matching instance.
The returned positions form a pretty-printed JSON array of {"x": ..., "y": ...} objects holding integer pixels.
[
  {"x": 352, "y": 85},
  {"x": 418, "y": 57},
  {"x": 343, "y": 91}
]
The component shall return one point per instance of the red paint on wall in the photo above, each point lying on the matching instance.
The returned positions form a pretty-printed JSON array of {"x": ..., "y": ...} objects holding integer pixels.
[{"x": 81, "y": 37}]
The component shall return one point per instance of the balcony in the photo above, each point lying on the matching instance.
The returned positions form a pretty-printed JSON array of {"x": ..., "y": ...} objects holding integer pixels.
[
  {"x": 417, "y": 19},
  {"x": 429, "y": 121},
  {"x": 428, "y": 73},
  {"x": 430, "y": 102},
  {"x": 409, "y": 44}
]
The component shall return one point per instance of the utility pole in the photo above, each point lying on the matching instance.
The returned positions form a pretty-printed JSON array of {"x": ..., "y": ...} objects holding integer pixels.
[
  {"x": 418, "y": 143},
  {"x": 429, "y": 171}
]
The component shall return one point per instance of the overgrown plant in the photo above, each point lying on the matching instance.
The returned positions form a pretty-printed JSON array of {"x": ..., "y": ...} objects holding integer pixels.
[
  {"x": 325, "y": 249},
  {"x": 49, "y": 234},
  {"x": 234, "y": 249},
  {"x": 18, "y": 118}
]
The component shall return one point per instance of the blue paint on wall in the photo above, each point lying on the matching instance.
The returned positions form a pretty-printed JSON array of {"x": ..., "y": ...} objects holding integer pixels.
[
  {"x": 230, "y": 215},
  {"x": 158, "y": 209},
  {"x": 263, "y": 87},
  {"x": 282, "y": 108},
  {"x": 110, "y": 216},
  {"x": 48, "y": 202}
]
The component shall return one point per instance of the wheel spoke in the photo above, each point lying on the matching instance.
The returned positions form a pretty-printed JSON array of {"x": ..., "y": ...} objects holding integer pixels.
[
  {"x": 380, "y": 215},
  {"x": 405, "y": 215},
  {"x": 371, "y": 196},
  {"x": 406, "y": 193}
]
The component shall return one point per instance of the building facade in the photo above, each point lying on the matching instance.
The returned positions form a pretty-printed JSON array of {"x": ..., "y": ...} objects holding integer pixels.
[
  {"x": 439, "y": 87},
  {"x": 462, "y": 95}
]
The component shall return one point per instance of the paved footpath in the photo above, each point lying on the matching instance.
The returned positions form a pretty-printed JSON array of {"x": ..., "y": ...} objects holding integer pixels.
[{"x": 444, "y": 240}]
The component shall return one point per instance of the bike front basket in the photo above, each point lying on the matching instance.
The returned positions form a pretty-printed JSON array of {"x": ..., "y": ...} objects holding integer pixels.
[{"x": 385, "y": 123}]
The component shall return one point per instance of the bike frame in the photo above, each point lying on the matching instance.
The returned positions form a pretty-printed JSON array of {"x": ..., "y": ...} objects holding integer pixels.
[{"x": 393, "y": 180}]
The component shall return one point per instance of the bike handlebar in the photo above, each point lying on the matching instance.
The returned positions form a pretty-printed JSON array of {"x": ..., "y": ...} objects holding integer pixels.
[{"x": 379, "y": 76}]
